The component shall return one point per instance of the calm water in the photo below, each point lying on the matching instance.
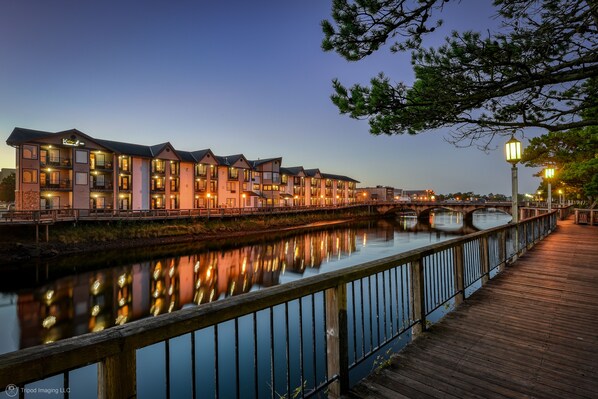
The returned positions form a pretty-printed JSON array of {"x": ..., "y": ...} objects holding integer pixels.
[{"x": 51, "y": 301}]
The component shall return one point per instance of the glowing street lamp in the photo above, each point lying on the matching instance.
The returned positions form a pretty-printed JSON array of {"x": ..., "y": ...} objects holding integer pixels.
[
  {"x": 513, "y": 155},
  {"x": 549, "y": 175}
]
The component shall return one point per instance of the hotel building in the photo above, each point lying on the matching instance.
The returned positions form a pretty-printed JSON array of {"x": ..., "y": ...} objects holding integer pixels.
[{"x": 71, "y": 169}]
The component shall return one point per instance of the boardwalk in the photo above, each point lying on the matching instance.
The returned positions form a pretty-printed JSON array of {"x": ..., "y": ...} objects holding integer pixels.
[{"x": 532, "y": 332}]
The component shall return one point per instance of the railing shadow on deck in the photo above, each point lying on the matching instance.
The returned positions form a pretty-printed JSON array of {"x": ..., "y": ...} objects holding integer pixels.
[{"x": 306, "y": 338}]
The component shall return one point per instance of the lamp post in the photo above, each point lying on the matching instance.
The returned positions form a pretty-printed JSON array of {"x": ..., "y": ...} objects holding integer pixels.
[
  {"x": 561, "y": 197},
  {"x": 548, "y": 175},
  {"x": 513, "y": 155}
]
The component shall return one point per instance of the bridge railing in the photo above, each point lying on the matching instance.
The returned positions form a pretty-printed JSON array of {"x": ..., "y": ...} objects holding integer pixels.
[{"x": 304, "y": 338}]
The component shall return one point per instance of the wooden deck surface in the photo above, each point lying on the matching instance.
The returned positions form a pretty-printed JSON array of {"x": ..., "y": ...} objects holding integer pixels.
[{"x": 532, "y": 332}]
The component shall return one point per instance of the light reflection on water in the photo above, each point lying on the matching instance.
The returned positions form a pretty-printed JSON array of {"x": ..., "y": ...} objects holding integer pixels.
[{"x": 64, "y": 306}]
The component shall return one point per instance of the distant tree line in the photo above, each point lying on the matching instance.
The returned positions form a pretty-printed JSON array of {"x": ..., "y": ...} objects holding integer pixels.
[{"x": 471, "y": 196}]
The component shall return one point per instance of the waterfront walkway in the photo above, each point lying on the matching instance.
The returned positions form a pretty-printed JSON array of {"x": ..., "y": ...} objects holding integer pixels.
[{"x": 532, "y": 332}]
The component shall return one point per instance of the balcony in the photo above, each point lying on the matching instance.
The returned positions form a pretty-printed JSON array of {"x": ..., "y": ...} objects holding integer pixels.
[
  {"x": 64, "y": 184},
  {"x": 105, "y": 166},
  {"x": 101, "y": 186},
  {"x": 56, "y": 162}
]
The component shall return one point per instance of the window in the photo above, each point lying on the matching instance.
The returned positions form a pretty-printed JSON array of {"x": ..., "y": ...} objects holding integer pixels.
[
  {"x": 123, "y": 182},
  {"x": 230, "y": 202},
  {"x": 158, "y": 183},
  {"x": 284, "y": 179},
  {"x": 80, "y": 156},
  {"x": 124, "y": 164},
  {"x": 100, "y": 181},
  {"x": 233, "y": 173},
  {"x": 158, "y": 166},
  {"x": 81, "y": 178},
  {"x": 231, "y": 186},
  {"x": 29, "y": 151},
  {"x": 174, "y": 184},
  {"x": 174, "y": 167},
  {"x": 29, "y": 176},
  {"x": 100, "y": 160},
  {"x": 100, "y": 203},
  {"x": 200, "y": 185},
  {"x": 55, "y": 178},
  {"x": 201, "y": 170},
  {"x": 54, "y": 156}
]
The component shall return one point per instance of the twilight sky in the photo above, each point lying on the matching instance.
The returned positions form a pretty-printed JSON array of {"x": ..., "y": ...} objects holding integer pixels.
[{"x": 235, "y": 76}]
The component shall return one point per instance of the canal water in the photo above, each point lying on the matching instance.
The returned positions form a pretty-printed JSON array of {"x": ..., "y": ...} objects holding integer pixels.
[{"x": 49, "y": 301}]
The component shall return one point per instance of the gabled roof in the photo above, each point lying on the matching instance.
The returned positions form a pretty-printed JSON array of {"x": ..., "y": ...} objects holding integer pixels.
[
  {"x": 258, "y": 162},
  {"x": 159, "y": 148},
  {"x": 312, "y": 172},
  {"x": 186, "y": 156},
  {"x": 201, "y": 154},
  {"x": 229, "y": 160},
  {"x": 293, "y": 171},
  {"x": 195, "y": 156},
  {"x": 20, "y": 135},
  {"x": 127, "y": 148},
  {"x": 338, "y": 177}
]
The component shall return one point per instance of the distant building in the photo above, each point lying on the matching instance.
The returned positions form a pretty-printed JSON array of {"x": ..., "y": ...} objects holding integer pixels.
[
  {"x": 71, "y": 169},
  {"x": 420, "y": 195},
  {"x": 378, "y": 193}
]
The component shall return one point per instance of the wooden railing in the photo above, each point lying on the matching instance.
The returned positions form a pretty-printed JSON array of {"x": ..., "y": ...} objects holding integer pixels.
[
  {"x": 313, "y": 333},
  {"x": 531, "y": 211},
  {"x": 586, "y": 216},
  {"x": 68, "y": 214}
]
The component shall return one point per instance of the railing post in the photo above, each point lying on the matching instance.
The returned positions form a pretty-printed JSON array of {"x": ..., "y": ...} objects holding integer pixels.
[
  {"x": 458, "y": 273},
  {"x": 418, "y": 297},
  {"x": 117, "y": 378},
  {"x": 337, "y": 343},
  {"x": 502, "y": 250},
  {"x": 484, "y": 260}
]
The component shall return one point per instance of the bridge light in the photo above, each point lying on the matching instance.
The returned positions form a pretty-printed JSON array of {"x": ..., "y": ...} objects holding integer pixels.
[{"x": 549, "y": 173}]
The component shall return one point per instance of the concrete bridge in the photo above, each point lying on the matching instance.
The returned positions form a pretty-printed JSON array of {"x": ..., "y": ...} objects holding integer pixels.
[{"x": 423, "y": 209}]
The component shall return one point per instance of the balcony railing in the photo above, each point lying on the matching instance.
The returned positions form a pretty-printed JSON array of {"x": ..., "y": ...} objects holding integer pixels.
[
  {"x": 104, "y": 166},
  {"x": 56, "y": 162},
  {"x": 62, "y": 184},
  {"x": 101, "y": 186}
]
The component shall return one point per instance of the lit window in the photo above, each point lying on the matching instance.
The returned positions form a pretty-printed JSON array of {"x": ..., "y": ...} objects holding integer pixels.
[
  {"x": 29, "y": 176},
  {"x": 29, "y": 151}
]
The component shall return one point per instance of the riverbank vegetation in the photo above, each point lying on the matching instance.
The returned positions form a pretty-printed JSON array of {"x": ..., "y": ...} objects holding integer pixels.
[{"x": 93, "y": 232}]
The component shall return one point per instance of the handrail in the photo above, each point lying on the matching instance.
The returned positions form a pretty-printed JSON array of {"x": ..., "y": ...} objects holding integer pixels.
[
  {"x": 459, "y": 262},
  {"x": 586, "y": 216},
  {"x": 74, "y": 214}
]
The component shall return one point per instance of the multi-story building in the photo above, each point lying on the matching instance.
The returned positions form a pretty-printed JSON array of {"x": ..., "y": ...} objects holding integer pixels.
[
  {"x": 71, "y": 169},
  {"x": 378, "y": 193}
]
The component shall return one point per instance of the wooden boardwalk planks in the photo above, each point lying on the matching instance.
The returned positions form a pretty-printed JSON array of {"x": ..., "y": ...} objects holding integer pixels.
[{"x": 532, "y": 332}]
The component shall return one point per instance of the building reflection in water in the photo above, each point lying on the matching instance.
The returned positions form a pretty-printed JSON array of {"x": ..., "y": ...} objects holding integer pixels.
[{"x": 96, "y": 300}]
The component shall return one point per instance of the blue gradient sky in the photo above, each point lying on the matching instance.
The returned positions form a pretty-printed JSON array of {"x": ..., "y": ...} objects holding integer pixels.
[{"x": 233, "y": 76}]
